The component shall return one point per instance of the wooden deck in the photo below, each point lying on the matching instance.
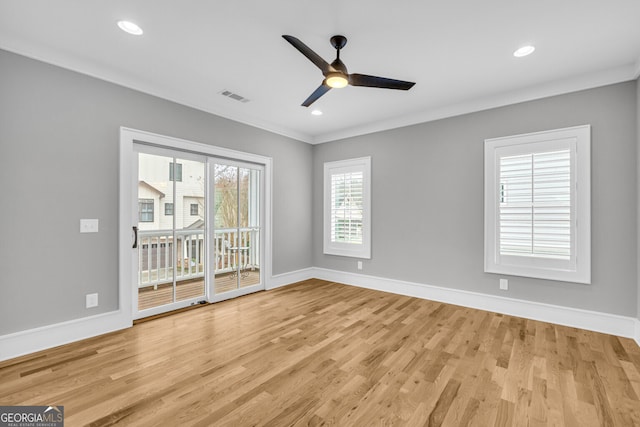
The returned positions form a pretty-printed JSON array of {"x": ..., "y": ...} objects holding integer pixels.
[
  {"x": 319, "y": 353},
  {"x": 149, "y": 297}
]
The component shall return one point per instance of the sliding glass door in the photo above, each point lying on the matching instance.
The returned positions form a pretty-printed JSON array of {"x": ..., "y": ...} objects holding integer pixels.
[
  {"x": 198, "y": 229},
  {"x": 171, "y": 239},
  {"x": 237, "y": 228}
]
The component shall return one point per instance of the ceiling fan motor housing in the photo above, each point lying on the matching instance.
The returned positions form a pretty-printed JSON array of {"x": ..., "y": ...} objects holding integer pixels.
[{"x": 338, "y": 65}]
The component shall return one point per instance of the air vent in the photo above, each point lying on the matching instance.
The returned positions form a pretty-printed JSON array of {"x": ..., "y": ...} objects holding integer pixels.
[{"x": 235, "y": 96}]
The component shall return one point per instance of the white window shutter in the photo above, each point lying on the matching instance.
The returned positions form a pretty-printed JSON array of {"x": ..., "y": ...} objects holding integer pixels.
[
  {"x": 537, "y": 191},
  {"x": 347, "y": 201},
  {"x": 535, "y": 205}
]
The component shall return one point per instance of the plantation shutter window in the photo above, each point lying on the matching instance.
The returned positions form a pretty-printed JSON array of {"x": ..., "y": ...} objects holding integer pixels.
[
  {"x": 346, "y": 208},
  {"x": 537, "y": 205}
]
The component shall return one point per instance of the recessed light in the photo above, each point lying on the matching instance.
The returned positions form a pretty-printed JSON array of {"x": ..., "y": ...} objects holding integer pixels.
[
  {"x": 524, "y": 51},
  {"x": 316, "y": 112},
  {"x": 130, "y": 27}
]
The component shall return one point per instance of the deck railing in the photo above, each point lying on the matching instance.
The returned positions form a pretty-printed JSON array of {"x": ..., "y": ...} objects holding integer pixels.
[{"x": 157, "y": 262}]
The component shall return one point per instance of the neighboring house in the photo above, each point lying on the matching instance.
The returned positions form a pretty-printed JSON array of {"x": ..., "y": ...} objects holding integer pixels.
[
  {"x": 169, "y": 192},
  {"x": 157, "y": 204},
  {"x": 149, "y": 200}
]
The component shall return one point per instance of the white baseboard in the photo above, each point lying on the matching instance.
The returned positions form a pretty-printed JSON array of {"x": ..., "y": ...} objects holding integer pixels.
[
  {"x": 623, "y": 326},
  {"x": 289, "y": 278},
  {"x": 49, "y": 336},
  {"x": 37, "y": 339}
]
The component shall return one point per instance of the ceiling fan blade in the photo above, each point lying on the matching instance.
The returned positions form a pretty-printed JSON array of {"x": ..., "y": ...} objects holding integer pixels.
[
  {"x": 322, "y": 89},
  {"x": 382, "y": 82},
  {"x": 310, "y": 54}
]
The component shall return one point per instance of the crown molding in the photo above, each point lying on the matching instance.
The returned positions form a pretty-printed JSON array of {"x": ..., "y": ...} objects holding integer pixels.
[
  {"x": 558, "y": 87},
  {"x": 106, "y": 74},
  {"x": 545, "y": 90}
]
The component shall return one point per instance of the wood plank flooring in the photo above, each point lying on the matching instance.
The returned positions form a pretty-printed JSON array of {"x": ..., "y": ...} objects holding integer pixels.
[{"x": 319, "y": 353}]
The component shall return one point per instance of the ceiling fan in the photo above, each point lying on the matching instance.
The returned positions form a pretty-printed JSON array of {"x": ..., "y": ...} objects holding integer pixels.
[{"x": 336, "y": 75}]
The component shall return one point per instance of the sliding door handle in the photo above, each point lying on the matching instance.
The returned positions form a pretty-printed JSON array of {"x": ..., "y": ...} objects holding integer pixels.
[{"x": 135, "y": 237}]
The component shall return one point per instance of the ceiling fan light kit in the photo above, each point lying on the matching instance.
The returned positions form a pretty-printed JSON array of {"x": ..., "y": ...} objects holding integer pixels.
[
  {"x": 336, "y": 80},
  {"x": 336, "y": 74}
]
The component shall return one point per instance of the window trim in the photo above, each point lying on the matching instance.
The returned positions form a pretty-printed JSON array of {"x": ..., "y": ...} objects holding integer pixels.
[
  {"x": 153, "y": 209},
  {"x": 168, "y": 212},
  {"x": 578, "y": 269},
  {"x": 197, "y": 209},
  {"x": 362, "y": 250}
]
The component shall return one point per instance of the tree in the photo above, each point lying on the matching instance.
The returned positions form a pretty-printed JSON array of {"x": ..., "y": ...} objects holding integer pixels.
[{"x": 226, "y": 196}]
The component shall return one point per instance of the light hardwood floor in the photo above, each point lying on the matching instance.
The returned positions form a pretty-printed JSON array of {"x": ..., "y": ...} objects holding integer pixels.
[{"x": 319, "y": 353}]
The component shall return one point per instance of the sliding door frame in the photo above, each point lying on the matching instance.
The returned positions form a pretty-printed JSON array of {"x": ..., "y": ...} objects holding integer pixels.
[
  {"x": 239, "y": 290},
  {"x": 127, "y": 255},
  {"x": 176, "y": 253}
]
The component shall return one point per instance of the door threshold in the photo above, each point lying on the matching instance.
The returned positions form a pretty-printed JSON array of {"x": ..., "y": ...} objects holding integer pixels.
[{"x": 171, "y": 312}]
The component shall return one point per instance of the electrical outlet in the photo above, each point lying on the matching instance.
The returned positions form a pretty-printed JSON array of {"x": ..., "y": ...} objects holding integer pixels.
[
  {"x": 92, "y": 300},
  {"x": 504, "y": 284},
  {"x": 359, "y": 265},
  {"x": 88, "y": 225}
]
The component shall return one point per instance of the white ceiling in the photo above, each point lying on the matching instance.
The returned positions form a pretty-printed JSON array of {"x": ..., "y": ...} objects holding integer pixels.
[{"x": 459, "y": 52}]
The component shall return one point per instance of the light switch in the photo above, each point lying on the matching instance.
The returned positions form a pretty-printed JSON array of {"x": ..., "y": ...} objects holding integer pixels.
[{"x": 88, "y": 225}]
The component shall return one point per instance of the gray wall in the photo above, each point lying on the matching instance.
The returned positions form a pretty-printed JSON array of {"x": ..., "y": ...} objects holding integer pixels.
[
  {"x": 59, "y": 142},
  {"x": 59, "y": 134},
  {"x": 427, "y": 199}
]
